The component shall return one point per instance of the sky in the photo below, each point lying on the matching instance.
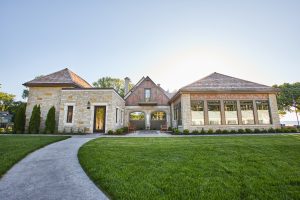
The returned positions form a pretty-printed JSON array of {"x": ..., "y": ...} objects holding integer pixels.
[{"x": 173, "y": 42}]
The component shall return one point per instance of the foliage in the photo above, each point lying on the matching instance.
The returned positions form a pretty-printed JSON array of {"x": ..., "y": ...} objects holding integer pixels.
[
  {"x": 210, "y": 131},
  {"x": 237, "y": 167},
  {"x": 119, "y": 131},
  {"x": 225, "y": 131},
  {"x": 50, "y": 121},
  {"x": 110, "y": 132},
  {"x": 233, "y": 131},
  {"x": 170, "y": 128},
  {"x": 195, "y": 132},
  {"x": 125, "y": 129},
  {"x": 109, "y": 82},
  {"x": 241, "y": 131},
  {"x": 218, "y": 131},
  {"x": 186, "y": 131},
  {"x": 6, "y": 100},
  {"x": 248, "y": 130},
  {"x": 20, "y": 119},
  {"x": 25, "y": 93},
  {"x": 35, "y": 120},
  {"x": 289, "y": 96},
  {"x": 202, "y": 131},
  {"x": 14, "y": 148}
]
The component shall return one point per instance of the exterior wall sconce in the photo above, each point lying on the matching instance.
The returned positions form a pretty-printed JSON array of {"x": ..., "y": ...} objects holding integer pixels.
[{"x": 88, "y": 106}]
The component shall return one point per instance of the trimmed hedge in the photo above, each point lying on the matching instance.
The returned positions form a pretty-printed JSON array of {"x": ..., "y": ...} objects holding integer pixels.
[
  {"x": 35, "y": 120},
  {"x": 239, "y": 131},
  {"x": 20, "y": 118},
  {"x": 50, "y": 121}
]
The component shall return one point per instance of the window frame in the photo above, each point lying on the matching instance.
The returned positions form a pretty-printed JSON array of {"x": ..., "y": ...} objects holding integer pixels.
[
  {"x": 145, "y": 93},
  {"x": 66, "y": 114}
]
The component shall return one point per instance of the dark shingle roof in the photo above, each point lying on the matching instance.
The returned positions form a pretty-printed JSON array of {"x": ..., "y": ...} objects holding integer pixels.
[
  {"x": 216, "y": 82},
  {"x": 65, "y": 78}
]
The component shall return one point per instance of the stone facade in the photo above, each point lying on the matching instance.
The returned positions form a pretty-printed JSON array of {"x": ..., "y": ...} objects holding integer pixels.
[
  {"x": 46, "y": 97},
  {"x": 83, "y": 118}
]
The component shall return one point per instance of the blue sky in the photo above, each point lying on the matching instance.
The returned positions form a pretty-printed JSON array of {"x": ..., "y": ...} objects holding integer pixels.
[{"x": 174, "y": 42}]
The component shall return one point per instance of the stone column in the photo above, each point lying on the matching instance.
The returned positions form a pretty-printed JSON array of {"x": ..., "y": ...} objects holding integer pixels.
[
  {"x": 205, "y": 113},
  {"x": 239, "y": 112},
  {"x": 274, "y": 111},
  {"x": 255, "y": 112},
  {"x": 222, "y": 112},
  {"x": 186, "y": 111}
]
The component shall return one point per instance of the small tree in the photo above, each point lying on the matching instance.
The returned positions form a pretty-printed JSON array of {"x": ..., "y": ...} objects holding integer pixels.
[
  {"x": 35, "y": 120},
  {"x": 20, "y": 118},
  {"x": 50, "y": 121}
]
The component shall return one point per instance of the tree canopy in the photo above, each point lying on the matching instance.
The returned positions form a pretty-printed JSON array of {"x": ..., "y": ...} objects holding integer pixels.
[
  {"x": 109, "y": 82},
  {"x": 288, "y": 98},
  {"x": 6, "y": 100}
]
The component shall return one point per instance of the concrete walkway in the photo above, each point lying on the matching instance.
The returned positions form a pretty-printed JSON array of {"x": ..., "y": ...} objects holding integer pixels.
[{"x": 52, "y": 172}]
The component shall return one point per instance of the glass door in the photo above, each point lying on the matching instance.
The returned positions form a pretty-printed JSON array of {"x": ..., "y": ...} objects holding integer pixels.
[{"x": 99, "y": 119}]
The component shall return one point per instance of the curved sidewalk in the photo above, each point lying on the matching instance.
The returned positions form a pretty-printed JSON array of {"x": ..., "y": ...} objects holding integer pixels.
[{"x": 52, "y": 172}]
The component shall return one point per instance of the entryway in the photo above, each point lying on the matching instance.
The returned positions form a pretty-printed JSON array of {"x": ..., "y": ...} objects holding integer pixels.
[{"x": 99, "y": 119}]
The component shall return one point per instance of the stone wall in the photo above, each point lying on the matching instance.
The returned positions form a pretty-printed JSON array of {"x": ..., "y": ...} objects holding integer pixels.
[
  {"x": 83, "y": 118},
  {"x": 46, "y": 97}
]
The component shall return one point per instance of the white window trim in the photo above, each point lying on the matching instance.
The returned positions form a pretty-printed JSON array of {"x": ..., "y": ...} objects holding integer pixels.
[
  {"x": 120, "y": 119},
  {"x": 66, "y": 113}
]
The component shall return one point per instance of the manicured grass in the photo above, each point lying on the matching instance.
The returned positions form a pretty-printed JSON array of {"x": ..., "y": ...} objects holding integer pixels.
[
  {"x": 14, "y": 148},
  {"x": 233, "y": 167}
]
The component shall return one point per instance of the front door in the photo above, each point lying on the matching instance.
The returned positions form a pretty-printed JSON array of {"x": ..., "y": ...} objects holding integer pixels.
[{"x": 99, "y": 119}]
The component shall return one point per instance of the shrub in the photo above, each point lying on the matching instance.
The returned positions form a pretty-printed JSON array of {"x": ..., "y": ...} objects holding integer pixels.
[
  {"x": 110, "y": 132},
  {"x": 186, "y": 131},
  {"x": 218, "y": 131},
  {"x": 264, "y": 131},
  {"x": 176, "y": 131},
  {"x": 278, "y": 130},
  {"x": 271, "y": 130},
  {"x": 248, "y": 130},
  {"x": 125, "y": 129},
  {"x": 119, "y": 131},
  {"x": 233, "y": 131},
  {"x": 170, "y": 128},
  {"x": 20, "y": 118},
  {"x": 241, "y": 131},
  {"x": 210, "y": 131},
  {"x": 35, "y": 120},
  {"x": 203, "y": 131},
  {"x": 195, "y": 132},
  {"x": 50, "y": 121},
  {"x": 225, "y": 131},
  {"x": 256, "y": 130},
  {"x": 2, "y": 130}
]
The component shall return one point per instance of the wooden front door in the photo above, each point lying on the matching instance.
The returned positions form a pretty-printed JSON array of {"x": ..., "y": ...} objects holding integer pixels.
[{"x": 99, "y": 119}]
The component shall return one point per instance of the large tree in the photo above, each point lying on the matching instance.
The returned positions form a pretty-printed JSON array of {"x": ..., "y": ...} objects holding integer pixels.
[
  {"x": 109, "y": 82},
  {"x": 6, "y": 100},
  {"x": 288, "y": 97}
]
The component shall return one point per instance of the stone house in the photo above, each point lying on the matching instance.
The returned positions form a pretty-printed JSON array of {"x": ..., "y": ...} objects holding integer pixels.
[{"x": 214, "y": 102}]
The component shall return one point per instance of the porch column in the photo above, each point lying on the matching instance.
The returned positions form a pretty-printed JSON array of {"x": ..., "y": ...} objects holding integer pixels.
[
  {"x": 186, "y": 111},
  {"x": 255, "y": 112},
  {"x": 239, "y": 112},
  {"x": 222, "y": 112},
  {"x": 205, "y": 113}
]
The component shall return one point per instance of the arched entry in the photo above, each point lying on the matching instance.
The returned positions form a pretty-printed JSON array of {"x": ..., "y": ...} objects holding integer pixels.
[
  {"x": 137, "y": 119},
  {"x": 158, "y": 118}
]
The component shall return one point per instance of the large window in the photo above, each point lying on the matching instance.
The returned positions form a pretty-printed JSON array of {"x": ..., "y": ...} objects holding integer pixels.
[
  {"x": 247, "y": 112},
  {"x": 147, "y": 95},
  {"x": 230, "y": 112},
  {"x": 197, "y": 109},
  {"x": 214, "y": 112},
  {"x": 158, "y": 115},
  {"x": 137, "y": 116},
  {"x": 177, "y": 113},
  {"x": 263, "y": 112},
  {"x": 70, "y": 114}
]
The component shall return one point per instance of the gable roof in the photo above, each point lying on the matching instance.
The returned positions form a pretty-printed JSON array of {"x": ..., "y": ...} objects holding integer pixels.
[
  {"x": 142, "y": 80},
  {"x": 216, "y": 82},
  {"x": 65, "y": 78}
]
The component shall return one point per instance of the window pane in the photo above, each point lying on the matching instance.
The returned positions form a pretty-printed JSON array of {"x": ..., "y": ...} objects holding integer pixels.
[
  {"x": 137, "y": 116},
  {"x": 230, "y": 112},
  {"x": 147, "y": 95},
  {"x": 247, "y": 112},
  {"x": 263, "y": 112},
  {"x": 158, "y": 115},
  {"x": 214, "y": 112},
  {"x": 70, "y": 114},
  {"x": 197, "y": 109}
]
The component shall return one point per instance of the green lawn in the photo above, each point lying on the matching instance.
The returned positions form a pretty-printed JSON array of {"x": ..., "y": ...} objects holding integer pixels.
[
  {"x": 14, "y": 148},
  {"x": 235, "y": 167}
]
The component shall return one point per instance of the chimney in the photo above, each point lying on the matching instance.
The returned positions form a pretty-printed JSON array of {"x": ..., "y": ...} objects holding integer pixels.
[{"x": 126, "y": 87}]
